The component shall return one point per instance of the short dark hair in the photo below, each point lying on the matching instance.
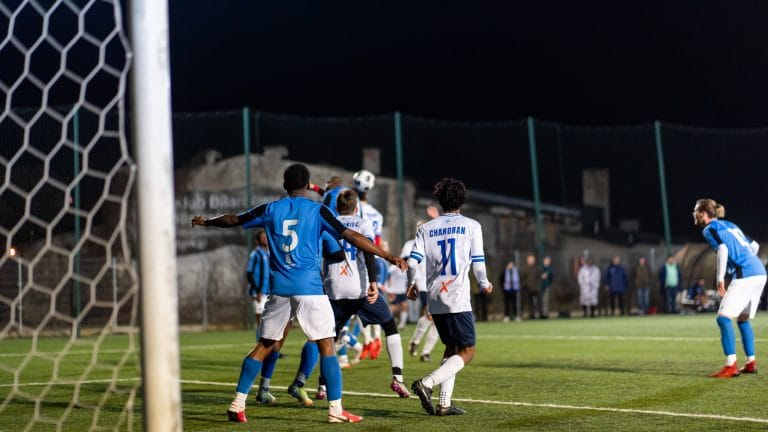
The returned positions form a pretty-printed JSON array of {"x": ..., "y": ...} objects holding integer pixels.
[
  {"x": 450, "y": 193},
  {"x": 295, "y": 177},
  {"x": 346, "y": 202}
]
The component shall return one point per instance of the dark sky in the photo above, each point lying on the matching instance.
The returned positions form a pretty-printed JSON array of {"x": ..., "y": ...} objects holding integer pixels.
[{"x": 699, "y": 62}]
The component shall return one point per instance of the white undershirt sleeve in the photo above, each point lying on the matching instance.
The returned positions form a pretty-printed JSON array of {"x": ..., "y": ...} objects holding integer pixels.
[
  {"x": 722, "y": 261},
  {"x": 481, "y": 274}
]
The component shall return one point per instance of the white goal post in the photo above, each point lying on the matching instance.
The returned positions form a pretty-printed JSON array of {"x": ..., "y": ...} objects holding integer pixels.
[{"x": 157, "y": 233}]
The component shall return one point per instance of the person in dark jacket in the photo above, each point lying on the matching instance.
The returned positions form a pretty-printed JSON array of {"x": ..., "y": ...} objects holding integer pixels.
[
  {"x": 530, "y": 276},
  {"x": 616, "y": 283}
]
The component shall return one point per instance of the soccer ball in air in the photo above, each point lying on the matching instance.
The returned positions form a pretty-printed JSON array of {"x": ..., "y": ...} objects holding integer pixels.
[{"x": 364, "y": 180}]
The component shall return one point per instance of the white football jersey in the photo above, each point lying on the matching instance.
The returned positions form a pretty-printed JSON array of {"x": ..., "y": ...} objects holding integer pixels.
[
  {"x": 449, "y": 245},
  {"x": 421, "y": 270},
  {"x": 349, "y": 279},
  {"x": 367, "y": 211}
]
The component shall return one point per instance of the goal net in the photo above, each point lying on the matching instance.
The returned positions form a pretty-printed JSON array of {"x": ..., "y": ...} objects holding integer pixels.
[{"x": 68, "y": 283}]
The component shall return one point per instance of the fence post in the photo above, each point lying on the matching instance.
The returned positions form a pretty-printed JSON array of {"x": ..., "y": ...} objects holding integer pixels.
[
  {"x": 400, "y": 185},
  {"x": 77, "y": 234},
  {"x": 247, "y": 156},
  {"x": 536, "y": 194},
  {"x": 663, "y": 186}
]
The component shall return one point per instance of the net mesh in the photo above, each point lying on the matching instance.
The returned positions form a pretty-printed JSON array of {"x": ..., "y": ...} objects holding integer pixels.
[{"x": 68, "y": 289}]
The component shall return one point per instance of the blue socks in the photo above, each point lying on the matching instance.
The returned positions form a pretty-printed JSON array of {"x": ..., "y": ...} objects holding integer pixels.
[
  {"x": 309, "y": 356},
  {"x": 747, "y": 338},
  {"x": 269, "y": 364},
  {"x": 329, "y": 368},
  {"x": 248, "y": 374},
  {"x": 727, "y": 336}
]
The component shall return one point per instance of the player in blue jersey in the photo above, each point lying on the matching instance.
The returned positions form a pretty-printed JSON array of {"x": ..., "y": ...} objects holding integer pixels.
[
  {"x": 294, "y": 226},
  {"x": 736, "y": 257},
  {"x": 450, "y": 245},
  {"x": 332, "y": 189}
]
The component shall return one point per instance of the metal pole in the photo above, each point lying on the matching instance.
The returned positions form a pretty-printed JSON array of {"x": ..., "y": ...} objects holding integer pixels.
[
  {"x": 518, "y": 300},
  {"x": 536, "y": 194},
  {"x": 157, "y": 232},
  {"x": 21, "y": 299},
  {"x": 663, "y": 186},
  {"x": 400, "y": 185},
  {"x": 76, "y": 259},
  {"x": 114, "y": 293},
  {"x": 247, "y": 154},
  {"x": 204, "y": 303},
  {"x": 561, "y": 164}
]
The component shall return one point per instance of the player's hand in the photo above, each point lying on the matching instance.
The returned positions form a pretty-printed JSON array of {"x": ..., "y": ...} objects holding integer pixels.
[
  {"x": 413, "y": 292},
  {"x": 488, "y": 289},
  {"x": 199, "y": 220},
  {"x": 721, "y": 288},
  {"x": 372, "y": 293},
  {"x": 399, "y": 262}
]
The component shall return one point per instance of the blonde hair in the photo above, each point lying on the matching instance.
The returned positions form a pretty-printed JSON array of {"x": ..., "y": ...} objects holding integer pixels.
[{"x": 711, "y": 208}]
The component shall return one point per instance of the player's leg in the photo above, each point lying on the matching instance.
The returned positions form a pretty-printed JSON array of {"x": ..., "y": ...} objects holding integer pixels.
[
  {"x": 429, "y": 344},
  {"x": 379, "y": 313},
  {"x": 422, "y": 325},
  {"x": 274, "y": 328},
  {"x": 316, "y": 317},
  {"x": 267, "y": 370},
  {"x": 754, "y": 285},
  {"x": 457, "y": 331},
  {"x": 731, "y": 306},
  {"x": 309, "y": 356}
]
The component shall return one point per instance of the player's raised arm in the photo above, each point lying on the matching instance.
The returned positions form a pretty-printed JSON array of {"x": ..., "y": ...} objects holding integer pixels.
[
  {"x": 227, "y": 220},
  {"x": 365, "y": 245}
]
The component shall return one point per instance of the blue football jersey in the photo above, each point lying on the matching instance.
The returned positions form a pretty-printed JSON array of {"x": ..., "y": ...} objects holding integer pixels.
[
  {"x": 330, "y": 198},
  {"x": 742, "y": 262},
  {"x": 294, "y": 226},
  {"x": 258, "y": 266}
]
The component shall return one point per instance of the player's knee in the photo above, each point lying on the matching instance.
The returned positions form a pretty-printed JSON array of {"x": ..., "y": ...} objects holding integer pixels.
[
  {"x": 467, "y": 354},
  {"x": 389, "y": 327},
  {"x": 743, "y": 318}
]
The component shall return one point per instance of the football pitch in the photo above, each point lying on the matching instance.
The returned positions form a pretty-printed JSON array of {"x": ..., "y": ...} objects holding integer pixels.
[{"x": 629, "y": 374}]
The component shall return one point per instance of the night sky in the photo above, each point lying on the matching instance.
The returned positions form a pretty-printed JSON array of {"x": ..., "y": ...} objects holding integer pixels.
[{"x": 576, "y": 65}]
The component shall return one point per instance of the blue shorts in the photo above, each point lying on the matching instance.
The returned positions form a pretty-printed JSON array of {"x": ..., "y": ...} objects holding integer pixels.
[
  {"x": 399, "y": 298},
  {"x": 456, "y": 329},
  {"x": 376, "y": 313}
]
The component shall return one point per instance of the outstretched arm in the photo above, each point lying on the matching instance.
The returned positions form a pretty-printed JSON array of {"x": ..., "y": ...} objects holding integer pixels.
[
  {"x": 365, "y": 245},
  {"x": 222, "y": 221}
]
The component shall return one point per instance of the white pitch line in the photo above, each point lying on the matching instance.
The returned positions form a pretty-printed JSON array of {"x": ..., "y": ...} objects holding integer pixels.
[
  {"x": 99, "y": 381},
  {"x": 605, "y": 338},
  {"x": 124, "y": 351},
  {"x": 536, "y": 405}
]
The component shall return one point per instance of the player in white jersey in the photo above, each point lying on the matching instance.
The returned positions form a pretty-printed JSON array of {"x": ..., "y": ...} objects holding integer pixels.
[
  {"x": 396, "y": 286},
  {"x": 450, "y": 245},
  {"x": 363, "y": 182}
]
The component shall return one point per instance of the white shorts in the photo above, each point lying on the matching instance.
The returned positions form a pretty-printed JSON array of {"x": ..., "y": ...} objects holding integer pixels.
[
  {"x": 258, "y": 306},
  {"x": 313, "y": 312},
  {"x": 742, "y": 297}
]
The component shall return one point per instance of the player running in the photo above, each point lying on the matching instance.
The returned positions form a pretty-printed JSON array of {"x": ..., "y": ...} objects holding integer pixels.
[
  {"x": 294, "y": 226},
  {"x": 424, "y": 324},
  {"x": 737, "y": 256},
  {"x": 449, "y": 244}
]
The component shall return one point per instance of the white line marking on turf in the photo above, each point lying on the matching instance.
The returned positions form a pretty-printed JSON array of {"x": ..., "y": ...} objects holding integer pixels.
[
  {"x": 98, "y": 381},
  {"x": 607, "y": 338},
  {"x": 534, "y": 405},
  {"x": 124, "y": 351}
]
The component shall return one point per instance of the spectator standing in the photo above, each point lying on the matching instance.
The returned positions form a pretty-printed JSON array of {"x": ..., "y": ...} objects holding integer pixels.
[
  {"x": 589, "y": 286},
  {"x": 509, "y": 280},
  {"x": 669, "y": 280},
  {"x": 616, "y": 283},
  {"x": 544, "y": 284},
  {"x": 531, "y": 277},
  {"x": 640, "y": 279}
]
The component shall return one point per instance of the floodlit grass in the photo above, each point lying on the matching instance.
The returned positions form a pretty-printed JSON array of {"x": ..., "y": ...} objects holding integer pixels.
[{"x": 629, "y": 374}]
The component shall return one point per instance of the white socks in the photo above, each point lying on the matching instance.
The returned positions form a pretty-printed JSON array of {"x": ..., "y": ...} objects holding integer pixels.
[
  {"x": 446, "y": 391},
  {"x": 395, "y": 350},
  {"x": 403, "y": 319},
  {"x": 422, "y": 325},
  {"x": 450, "y": 367}
]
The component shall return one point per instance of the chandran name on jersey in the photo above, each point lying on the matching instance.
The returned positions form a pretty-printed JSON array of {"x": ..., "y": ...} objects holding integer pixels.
[{"x": 447, "y": 231}]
